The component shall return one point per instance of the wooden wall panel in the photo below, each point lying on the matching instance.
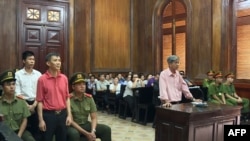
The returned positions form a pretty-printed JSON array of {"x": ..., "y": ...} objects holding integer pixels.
[
  {"x": 82, "y": 36},
  {"x": 200, "y": 48},
  {"x": 111, "y": 35},
  {"x": 243, "y": 52},
  {"x": 8, "y": 34},
  {"x": 216, "y": 36},
  {"x": 143, "y": 58}
]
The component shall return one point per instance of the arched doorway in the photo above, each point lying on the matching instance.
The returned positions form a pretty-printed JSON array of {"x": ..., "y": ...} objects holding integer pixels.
[{"x": 171, "y": 26}]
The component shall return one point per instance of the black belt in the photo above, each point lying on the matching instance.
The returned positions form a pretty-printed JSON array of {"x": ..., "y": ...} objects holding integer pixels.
[
  {"x": 56, "y": 112},
  {"x": 30, "y": 102},
  {"x": 175, "y": 102}
]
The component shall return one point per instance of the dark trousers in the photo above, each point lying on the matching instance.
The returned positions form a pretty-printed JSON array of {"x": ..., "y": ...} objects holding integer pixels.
[
  {"x": 131, "y": 102},
  {"x": 117, "y": 99},
  {"x": 102, "y": 131},
  {"x": 32, "y": 125},
  {"x": 55, "y": 125}
]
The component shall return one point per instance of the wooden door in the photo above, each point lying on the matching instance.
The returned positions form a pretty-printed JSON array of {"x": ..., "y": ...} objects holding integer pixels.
[{"x": 43, "y": 29}]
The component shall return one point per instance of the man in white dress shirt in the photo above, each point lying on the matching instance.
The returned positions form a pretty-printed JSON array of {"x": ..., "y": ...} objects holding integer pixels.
[{"x": 26, "y": 84}]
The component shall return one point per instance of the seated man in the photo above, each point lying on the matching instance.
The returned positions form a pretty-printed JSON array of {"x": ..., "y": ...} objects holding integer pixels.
[
  {"x": 115, "y": 93},
  {"x": 216, "y": 91},
  {"x": 16, "y": 118},
  {"x": 209, "y": 80},
  {"x": 231, "y": 94},
  {"x": 83, "y": 105},
  {"x": 188, "y": 81}
]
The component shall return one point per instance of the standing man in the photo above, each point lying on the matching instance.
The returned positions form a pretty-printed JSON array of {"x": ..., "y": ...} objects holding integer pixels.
[
  {"x": 83, "y": 106},
  {"x": 14, "y": 110},
  {"x": 128, "y": 96},
  {"x": 26, "y": 83},
  {"x": 172, "y": 85},
  {"x": 54, "y": 112}
]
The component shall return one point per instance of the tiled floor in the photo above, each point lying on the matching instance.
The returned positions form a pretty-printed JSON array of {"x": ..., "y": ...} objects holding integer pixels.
[{"x": 125, "y": 130}]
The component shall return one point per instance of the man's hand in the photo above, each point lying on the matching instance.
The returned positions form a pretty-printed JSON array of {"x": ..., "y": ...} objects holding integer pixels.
[
  {"x": 42, "y": 126},
  {"x": 68, "y": 120},
  {"x": 239, "y": 100},
  {"x": 91, "y": 136},
  {"x": 167, "y": 104},
  {"x": 196, "y": 100},
  {"x": 31, "y": 108}
]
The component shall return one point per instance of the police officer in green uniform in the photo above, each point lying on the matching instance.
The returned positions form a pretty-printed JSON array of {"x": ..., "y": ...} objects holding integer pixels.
[
  {"x": 216, "y": 91},
  {"x": 210, "y": 79},
  {"x": 83, "y": 105},
  {"x": 14, "y": 110},
  {"x": 231, "y": 94}
]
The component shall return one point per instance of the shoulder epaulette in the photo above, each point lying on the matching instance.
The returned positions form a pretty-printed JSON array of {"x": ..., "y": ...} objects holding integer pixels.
[
  {"x": 87, "y": 95},
  {"x": 213, "y": 83}
]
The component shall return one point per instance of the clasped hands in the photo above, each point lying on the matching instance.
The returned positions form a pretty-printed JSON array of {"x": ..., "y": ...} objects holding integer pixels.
[{"x": 91, "y": 136}]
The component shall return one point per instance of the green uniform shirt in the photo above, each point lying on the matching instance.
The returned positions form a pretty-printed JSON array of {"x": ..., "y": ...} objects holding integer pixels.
[
  {"x": 217, "y": 90},
  {"x": 14, "y": 112},
  {"x": 229, "y": 89},
  {"x": 207, "y": 82},
  {"x": 81, "y": 108}
]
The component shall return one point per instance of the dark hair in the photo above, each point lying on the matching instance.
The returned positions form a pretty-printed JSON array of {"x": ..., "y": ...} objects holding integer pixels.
[
  {"x": 92, "y": 76},
  {"x": 27, "y": 54},
  {"x": 49, "y": 55},
  {"x": 100, "y": 74}
]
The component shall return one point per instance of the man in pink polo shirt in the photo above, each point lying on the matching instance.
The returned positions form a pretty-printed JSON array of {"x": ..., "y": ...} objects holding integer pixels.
[
  {"x": 172, "y": 85},
  {"x": 53, "y": 101}
]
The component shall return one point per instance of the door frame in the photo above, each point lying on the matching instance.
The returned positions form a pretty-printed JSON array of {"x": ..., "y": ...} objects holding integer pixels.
[{"x": 65, "y": 50}]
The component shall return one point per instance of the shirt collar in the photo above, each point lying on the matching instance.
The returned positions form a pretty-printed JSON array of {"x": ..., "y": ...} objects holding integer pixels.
[
  {"x": 50, "y": 76},
  {"x": 4, "y": 100},
  {"x": 77, "y": 98},
  {"x": 25, "y": 72},
  {"x": 169, "y": 73}
]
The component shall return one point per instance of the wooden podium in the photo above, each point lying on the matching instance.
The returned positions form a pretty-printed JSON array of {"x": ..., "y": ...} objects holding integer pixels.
[{"x": 186, "y": 122}]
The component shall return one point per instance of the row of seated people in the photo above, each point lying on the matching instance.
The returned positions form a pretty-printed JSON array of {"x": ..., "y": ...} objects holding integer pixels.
[
  {"x": 104, "y": 87},
  {"x": 147, "y": 79},
  {"x": 112, "y": 96},
  {"x": 222, "y": 91}
]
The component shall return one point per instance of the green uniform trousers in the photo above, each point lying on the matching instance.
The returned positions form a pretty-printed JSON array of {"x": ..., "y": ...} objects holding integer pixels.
[
  {"x": 245, "y": 103},
  {"x": 217, "y": 102},
  {"x": 27, "y": 136},
  {"x": 102, "y": 131}
]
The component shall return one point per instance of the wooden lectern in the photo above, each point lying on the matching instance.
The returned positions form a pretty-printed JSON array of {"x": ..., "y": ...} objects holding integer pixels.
[{"x": 186, "y": 122}]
